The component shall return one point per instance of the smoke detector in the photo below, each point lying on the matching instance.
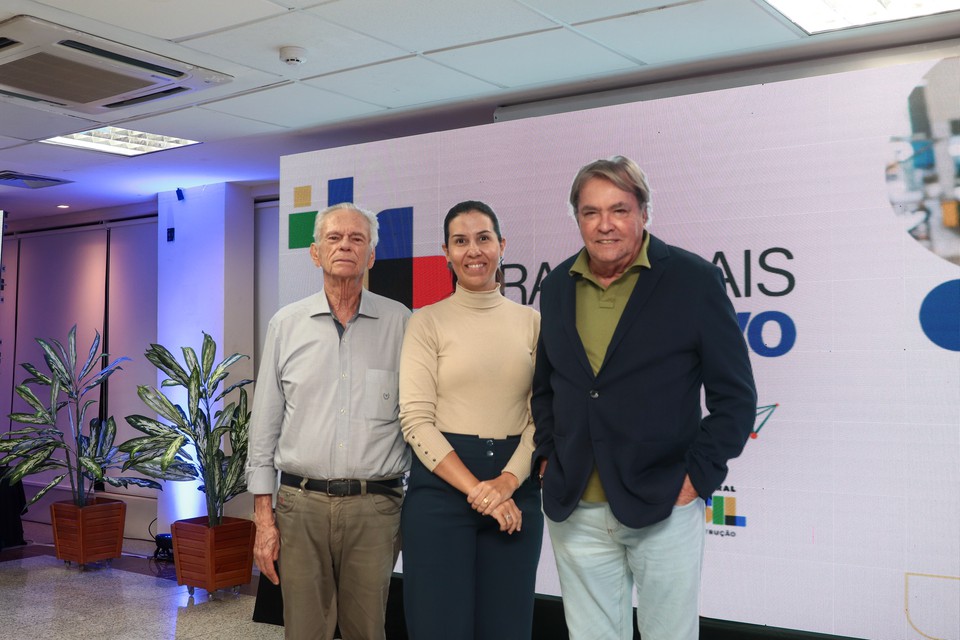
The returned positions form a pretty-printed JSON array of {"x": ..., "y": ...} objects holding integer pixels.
[{"x": 293, "y": 56}]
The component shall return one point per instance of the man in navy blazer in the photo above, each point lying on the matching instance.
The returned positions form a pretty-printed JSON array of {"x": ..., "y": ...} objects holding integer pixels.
[{"x": 633, "y": 330}]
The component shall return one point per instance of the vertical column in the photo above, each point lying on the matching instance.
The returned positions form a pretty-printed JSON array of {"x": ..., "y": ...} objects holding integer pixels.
[{"x": 205, "y": 262}]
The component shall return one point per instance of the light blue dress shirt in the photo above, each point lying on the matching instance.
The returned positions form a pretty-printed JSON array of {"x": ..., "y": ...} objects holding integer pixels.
[{"x": 325, "y": 406}]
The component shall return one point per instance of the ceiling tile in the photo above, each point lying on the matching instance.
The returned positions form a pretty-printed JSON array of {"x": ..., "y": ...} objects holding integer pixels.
[
  {"x": 169, "y": 19},
  {"x": 448, "y": 23},
  {"x": 539, "y": 58},
  {"x": 573, "y": 11},
  {"x": 691, "y": 31},
  {"x": 403, "y": 83},
  {"x": 329, "y": 47},
  {"x": 293, "y": 105},
  {"x": 53, "y": 160},
  {"x": 6, "y": 143},
  {"x": 29, "y": 123},
  {"x": 201, "y": 124}
]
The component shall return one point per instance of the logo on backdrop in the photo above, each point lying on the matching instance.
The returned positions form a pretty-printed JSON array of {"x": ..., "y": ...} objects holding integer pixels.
[
  {"x": 722, "y": 512},
  {"x": 397, "y": 274}
]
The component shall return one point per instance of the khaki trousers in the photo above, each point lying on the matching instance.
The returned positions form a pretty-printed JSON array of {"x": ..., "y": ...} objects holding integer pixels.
[{"x": 336, "y": 558}]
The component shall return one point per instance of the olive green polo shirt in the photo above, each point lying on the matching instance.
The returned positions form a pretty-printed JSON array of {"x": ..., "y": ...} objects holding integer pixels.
[{"x": 598, "y": 313}]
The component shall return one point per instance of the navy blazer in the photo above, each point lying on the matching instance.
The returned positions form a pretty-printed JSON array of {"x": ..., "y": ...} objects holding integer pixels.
[{"x": 640, "y": 417}]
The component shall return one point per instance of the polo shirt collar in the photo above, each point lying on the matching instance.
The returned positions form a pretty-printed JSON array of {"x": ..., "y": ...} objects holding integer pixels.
[{"x": 581, "y": 266}]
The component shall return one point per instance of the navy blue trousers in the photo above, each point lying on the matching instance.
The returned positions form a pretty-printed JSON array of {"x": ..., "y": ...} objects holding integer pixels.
[{"x": 464, "y": 579}]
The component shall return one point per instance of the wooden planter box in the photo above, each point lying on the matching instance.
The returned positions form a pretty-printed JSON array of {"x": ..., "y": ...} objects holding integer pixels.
[
  {"x": 213, "y": 558},
  {"x": 91, "y": 533}
]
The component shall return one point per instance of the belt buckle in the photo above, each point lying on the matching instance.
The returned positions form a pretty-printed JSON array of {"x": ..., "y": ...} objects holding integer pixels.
[{"x": 338, "y": 488}]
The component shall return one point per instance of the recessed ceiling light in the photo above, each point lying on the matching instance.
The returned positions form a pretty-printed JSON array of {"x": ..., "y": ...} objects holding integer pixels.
[
  {"x": 818, "y": 16},
  {"x": 125, "y": 142},
  {"x": 63, "y": 206}
]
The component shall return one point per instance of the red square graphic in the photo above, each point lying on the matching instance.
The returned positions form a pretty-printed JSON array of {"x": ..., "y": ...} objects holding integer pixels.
[{"x": 431, "y": 280}]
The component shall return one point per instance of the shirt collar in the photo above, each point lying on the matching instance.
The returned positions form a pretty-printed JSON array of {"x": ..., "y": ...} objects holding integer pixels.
[{"x": 368, "y": 305}]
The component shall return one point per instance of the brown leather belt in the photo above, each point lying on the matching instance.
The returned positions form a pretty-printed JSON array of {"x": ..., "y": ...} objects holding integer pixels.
[{"x": 341, "y": 487}]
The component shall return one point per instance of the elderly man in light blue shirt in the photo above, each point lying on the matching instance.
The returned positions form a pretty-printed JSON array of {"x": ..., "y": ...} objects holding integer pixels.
[{"x": 325, "y": 415}]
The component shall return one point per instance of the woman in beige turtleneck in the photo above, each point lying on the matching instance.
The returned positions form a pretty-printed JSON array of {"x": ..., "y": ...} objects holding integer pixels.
[{"x": 471, "y": 523}]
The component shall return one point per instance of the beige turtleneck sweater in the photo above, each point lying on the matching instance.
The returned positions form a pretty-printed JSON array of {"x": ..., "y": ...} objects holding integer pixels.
[{"x": 466, "y": 368}]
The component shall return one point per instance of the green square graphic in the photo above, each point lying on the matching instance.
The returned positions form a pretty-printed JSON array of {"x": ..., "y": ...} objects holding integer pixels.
[
  {"x": 718, "y": 509},
  {"x": 300, "y": 229}
]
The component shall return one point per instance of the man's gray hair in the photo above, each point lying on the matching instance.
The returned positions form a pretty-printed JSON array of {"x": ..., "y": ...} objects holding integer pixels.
[
  {"x": 348, "y": 206},
  {"x": 623, "y": 172}
]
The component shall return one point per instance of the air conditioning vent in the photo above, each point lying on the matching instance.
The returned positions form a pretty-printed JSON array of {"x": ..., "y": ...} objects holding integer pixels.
[
  {"x": 110, "y": 55},
  {"x": 27, "y": 181},
  {"x": 41, "y": 62}
]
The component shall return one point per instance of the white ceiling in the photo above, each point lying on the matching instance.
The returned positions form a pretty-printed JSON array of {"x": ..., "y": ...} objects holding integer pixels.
[{"x": 376, "y": 69}]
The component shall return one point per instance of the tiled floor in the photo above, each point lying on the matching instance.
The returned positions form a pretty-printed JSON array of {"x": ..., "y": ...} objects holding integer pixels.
[{"x": 130, "y": 598}]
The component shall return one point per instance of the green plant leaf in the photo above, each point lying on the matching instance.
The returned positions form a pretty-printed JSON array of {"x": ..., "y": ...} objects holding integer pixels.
[
  {"x": 26, "y": 446},
  {"x": 81, "y": 416},
  {"x": 106, "y": 433},
  {"x": 140, "y": 482},
  {"x": 30, "y": 398},
  {"x": 57, "y": 365},
  {"x": 208, "y": 354},
  {"x": 103, "y": 374},
  {"x": 47, "y": 488},
  {"x": 148, "y": 425},
  {"x": 176, "y": 472},
  {"x": 170, "y": 455},
  {"x": 193, "y": 394},
  {"x": 83, "y": 444},
  {"x": 27, "y": 431},
  {"x": 37, "y": 377},
  {"x": 72, "y": 348},
  {"x": 94, "y": 470},
  {"x": 29, "y": 418},
  {"x": 55, "y": 403},
  {"x": 160, "y": 404},
  {"x": 91, "y": 357},
  {"x": 190, "y": 359},
  {"x": 220, "y": 372},
  {"x": 235, "y": 385},
  {"x": 162, "y": 359},
  {"x": 234, "y": 478},
  {"x": 30, "y": 464}
]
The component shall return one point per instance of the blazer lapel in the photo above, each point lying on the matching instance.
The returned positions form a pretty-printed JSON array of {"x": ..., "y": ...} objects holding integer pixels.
[
  {"x": 658, "y": 253},
  {"x": 568, "y": 315}
]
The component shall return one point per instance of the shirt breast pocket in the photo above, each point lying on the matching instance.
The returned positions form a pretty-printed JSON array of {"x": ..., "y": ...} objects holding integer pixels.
[{"x": 381, "y": 391}]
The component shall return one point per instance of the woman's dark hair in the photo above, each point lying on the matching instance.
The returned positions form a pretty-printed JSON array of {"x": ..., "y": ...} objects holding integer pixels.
[{"x": 468, "y": 206}]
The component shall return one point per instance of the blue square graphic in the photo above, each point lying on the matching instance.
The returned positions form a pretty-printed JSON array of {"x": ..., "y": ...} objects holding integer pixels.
[{"x": 396, "y": 233}]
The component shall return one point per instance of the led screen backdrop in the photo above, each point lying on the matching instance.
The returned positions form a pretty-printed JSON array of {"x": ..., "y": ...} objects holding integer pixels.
[{"x": 830, "y": 204}]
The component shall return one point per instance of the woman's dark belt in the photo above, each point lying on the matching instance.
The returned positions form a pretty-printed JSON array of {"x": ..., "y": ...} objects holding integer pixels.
[{"x": 341, "y": 487}]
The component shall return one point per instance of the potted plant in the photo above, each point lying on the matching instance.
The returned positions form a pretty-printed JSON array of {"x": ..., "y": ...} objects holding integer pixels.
[
  {"x": 211, "y": 551},
  {"x": 87, "y": 528}
]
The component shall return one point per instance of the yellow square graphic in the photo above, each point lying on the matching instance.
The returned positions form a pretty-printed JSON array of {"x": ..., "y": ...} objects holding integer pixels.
[{"x": 302, "y": 196}]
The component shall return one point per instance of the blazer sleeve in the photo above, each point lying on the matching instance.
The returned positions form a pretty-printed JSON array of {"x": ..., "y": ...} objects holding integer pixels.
[
  {"x": 541, "y": 407},
  {"x": 729, "y": 390}
]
